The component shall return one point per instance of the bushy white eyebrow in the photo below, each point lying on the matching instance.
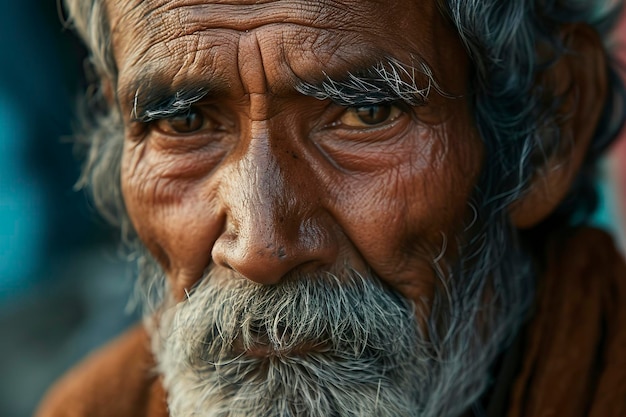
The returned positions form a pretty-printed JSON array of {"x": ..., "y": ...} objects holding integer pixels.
[
  {"x": 162, "y": 107},
  {"x": 384, "y": 82}
]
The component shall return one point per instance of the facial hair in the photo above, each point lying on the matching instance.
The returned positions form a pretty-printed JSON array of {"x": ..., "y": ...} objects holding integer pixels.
[{"x": 320, "y": 345}]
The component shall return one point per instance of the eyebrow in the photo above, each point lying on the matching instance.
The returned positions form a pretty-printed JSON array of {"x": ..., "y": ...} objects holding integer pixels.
[
  {"x": 153, "y": 99},
  {"x": 387, "y": 81},
  {"x": 161, "y": 108}
]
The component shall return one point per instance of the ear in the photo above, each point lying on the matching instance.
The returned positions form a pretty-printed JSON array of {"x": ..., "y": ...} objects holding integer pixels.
[{"x": 579, "y": 76}]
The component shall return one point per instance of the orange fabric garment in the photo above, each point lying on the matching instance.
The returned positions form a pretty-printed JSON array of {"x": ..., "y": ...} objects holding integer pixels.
[{"x": 574, "y": 363}]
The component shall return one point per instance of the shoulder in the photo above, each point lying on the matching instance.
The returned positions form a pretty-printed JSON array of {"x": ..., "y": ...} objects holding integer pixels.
[
  {"x": 576, "y": 339},
  {"x": 117, "y": 380}
]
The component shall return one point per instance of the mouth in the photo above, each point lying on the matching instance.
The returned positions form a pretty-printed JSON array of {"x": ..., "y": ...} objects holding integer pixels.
[
  {"x": 262, "y": 348},
  {"x": 260, "y": 351}
]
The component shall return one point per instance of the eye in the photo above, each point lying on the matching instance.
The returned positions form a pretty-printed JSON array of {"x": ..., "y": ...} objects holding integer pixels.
[
  {"x": 184, "y": 123},
  {"x": 370, "y": 116}
]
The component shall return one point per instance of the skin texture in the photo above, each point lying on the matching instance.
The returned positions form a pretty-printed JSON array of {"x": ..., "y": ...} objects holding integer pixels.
[{"x": 273, "y": 181}]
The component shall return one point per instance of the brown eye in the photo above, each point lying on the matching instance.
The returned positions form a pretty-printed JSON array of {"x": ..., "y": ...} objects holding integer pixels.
[
  {"x": 183, "y": 123},
  {"x": 370, "y": 116}
]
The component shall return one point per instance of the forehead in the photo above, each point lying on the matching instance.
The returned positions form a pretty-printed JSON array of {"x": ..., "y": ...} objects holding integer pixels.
[{"x": 190, "y": 40}]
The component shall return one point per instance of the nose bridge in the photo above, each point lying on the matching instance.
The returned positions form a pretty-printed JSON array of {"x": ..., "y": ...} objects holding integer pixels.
[
  {"x": 273, "y": 227},
  {"x": 268, "y": 201}
]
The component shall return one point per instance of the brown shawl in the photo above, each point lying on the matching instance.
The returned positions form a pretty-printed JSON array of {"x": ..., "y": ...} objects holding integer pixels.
[{"x": 574, "y": 360}]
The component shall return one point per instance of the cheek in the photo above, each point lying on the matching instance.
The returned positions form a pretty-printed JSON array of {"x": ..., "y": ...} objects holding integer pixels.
[
  {"x": 403, "y": 217},
  {"x": 175, "y": 216}
]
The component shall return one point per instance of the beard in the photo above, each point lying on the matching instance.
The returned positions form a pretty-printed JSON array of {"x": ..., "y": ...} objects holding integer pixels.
[{"x": 319, "y": 345}]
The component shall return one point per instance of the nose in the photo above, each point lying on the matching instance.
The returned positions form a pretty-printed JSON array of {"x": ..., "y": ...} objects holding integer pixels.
[{"x": 274, "y": 223}]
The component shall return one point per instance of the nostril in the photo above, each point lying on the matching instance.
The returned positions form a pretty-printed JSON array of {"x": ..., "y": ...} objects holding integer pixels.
[
  {"x": 311, "y": 266},
  {"x": 219, "y": 253},
  {"x": 265, "y": 253}
]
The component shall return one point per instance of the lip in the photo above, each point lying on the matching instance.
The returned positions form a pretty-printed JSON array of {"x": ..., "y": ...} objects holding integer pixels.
[{"x": 263, "y": 350}]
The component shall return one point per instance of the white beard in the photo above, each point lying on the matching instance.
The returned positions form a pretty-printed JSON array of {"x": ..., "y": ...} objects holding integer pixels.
[{"x": 329, "y": 347}]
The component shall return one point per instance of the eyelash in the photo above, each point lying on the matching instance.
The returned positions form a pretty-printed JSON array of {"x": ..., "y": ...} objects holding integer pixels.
[
  {"x": 207, "y": 117},
  {"x": 401, "y": 107}
]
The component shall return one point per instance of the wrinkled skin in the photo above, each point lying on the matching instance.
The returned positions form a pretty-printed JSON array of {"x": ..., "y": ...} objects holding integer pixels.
[{"x": 273, "y": 181}]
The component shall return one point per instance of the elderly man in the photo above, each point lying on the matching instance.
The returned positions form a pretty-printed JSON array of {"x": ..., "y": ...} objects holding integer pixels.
[{"x": 355, "y": 208}]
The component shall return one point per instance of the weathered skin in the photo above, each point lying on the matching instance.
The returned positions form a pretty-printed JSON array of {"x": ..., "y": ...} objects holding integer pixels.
[{"x": 273, "y": 181}]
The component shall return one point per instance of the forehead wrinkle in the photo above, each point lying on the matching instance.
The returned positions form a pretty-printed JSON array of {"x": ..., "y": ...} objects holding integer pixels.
[
  {"x": 295, "y": 45},
  {"x": 195, "y": 54},
  {"x": 198, "y": 15},
  {"x": 303, "y": 53},
  {"x": 181, "y": 17},
  {"x": 257, "y": 15}
]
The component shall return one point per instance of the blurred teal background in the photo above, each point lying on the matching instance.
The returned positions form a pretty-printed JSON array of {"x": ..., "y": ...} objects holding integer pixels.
[{"x": 63, "y": 285}]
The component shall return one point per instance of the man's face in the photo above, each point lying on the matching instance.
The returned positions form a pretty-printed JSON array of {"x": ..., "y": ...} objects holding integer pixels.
[
  {"x": 302, "y": 171},
  {"x": 262, "y": 179}
]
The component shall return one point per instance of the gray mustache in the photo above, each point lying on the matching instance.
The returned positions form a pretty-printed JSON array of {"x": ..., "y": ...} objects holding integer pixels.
[
  {"x": 329, "y": 344},
  {"x": 351, "y": 316}
]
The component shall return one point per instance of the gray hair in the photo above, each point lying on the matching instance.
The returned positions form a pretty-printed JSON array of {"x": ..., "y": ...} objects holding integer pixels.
[{"x": 519, "y": 129}]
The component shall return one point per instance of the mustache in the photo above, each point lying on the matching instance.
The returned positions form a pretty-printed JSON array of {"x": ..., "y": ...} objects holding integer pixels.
[
  {"x": 347, "y": 317},
  {"x": 330, "y": 342}
]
